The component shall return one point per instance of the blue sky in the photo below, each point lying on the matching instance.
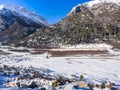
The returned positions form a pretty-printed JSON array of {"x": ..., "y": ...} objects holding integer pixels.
[{"x": 52, "y": 10}]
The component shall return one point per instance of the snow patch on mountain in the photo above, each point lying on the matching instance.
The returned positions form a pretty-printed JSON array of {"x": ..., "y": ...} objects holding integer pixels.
[
  {"x": 1, "y": 7},
  {"x": 91, "y": 3}
]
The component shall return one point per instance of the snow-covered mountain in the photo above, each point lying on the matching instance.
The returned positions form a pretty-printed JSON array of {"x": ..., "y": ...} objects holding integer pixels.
[
  {"x": 17, "y": 22},
  {"x": 29, "y": 17},
  {"x": 92, "y": 3}
]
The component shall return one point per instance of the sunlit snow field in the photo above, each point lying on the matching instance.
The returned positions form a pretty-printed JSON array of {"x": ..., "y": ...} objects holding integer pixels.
[{"x": 95, "y": 68}]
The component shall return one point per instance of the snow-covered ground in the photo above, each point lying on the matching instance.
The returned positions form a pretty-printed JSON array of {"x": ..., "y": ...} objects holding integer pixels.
[
  {"x": 85, "y": 47},
  {"x": 95, "y": 68}
]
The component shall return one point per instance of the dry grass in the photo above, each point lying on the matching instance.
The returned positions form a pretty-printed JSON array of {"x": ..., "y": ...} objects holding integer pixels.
[{"x": 66, "y": 53}]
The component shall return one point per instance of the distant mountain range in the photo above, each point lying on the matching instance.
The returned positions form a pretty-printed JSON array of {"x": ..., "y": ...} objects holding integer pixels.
[{"x": 90, "y": 22}]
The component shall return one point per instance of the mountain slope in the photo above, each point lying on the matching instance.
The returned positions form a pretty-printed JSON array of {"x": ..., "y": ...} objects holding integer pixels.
[
  {"x": 85, "y": 23},
  {"x": 17, "y": 22}
]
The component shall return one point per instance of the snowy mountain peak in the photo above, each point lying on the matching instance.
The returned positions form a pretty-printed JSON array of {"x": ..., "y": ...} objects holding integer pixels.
[
  {"x": 93, "y": 2},
  {"x": 23, "y": 12}
]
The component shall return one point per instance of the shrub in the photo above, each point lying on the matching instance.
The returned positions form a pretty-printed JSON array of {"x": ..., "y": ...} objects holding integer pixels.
[
  {"x": 102, "y": 85},
  {"x": 81, "y": 77},
  {"x": 55, "y": 84}
]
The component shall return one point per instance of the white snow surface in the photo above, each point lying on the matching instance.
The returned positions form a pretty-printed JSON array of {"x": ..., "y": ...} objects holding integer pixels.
[
  {"x": 24, "y": 12},
  {"x": 92, "y": 2},
  {"x": 95, "y": 68}
]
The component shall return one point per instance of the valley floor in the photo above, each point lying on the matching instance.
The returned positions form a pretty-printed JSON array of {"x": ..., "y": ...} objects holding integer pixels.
[{"x": 96, "y": 68}]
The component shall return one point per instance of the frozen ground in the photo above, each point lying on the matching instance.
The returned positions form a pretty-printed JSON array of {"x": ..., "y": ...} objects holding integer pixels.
[{"x": 95, "y": 68}]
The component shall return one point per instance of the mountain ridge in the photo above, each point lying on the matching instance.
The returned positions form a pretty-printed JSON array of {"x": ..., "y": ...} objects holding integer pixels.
[{"x": 21, "y": 11}]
